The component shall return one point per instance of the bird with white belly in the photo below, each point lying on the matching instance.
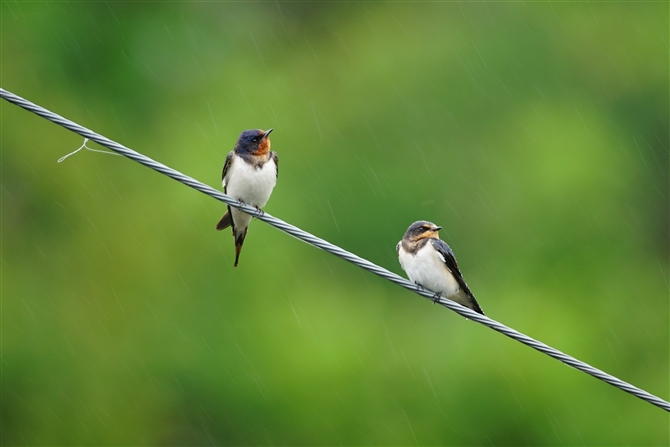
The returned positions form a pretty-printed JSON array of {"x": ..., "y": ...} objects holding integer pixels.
[
  {"x": 430, "y": 263},
  {"x": 249, "y": 175}
]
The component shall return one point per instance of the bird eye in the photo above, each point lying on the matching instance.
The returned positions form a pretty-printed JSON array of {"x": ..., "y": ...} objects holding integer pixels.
[{"x": 255, "y": 139}]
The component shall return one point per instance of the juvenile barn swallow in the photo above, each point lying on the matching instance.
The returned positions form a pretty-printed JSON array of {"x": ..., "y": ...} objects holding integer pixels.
[
  {"x": 249, "y": 175},
  {"x": 430, "y": 263}
]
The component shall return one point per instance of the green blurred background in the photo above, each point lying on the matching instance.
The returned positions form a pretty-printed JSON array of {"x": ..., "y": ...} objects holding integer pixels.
[{"x": 535, "y": 133}]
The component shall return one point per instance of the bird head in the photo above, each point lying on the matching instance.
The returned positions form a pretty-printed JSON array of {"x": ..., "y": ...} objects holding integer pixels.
[
  {"x": 421, "y": 230},
  {"x": 255, "y": 142}
]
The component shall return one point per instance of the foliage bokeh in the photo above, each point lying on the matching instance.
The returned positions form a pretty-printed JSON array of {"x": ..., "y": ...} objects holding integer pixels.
[{"x": 536, "y": 134}]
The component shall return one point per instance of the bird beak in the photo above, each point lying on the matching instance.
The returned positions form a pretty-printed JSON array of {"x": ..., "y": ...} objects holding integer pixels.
[
  {"x": 267, "y": 132},
  {"x": 436, "y": 228}
]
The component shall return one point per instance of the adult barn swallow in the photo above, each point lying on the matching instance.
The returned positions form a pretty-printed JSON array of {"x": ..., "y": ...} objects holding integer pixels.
[
  {"x": 249, "y": 175},
  {"x": 430, "y": 263}
]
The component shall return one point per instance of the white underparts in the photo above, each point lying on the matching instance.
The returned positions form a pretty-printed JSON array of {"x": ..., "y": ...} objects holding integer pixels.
[
  {"x": 251, "y": 185},
  {"x": 427, "y": 268}
]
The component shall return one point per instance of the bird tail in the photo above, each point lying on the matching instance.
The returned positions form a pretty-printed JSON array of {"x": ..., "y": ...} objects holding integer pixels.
[
  {"x": 467, "y": 299},
  {"x": 239, "y": 240},
  {"x": 477, "y": 308},
  {"x": 473, "y": 304},
  {"x": 226, "y": 221}
]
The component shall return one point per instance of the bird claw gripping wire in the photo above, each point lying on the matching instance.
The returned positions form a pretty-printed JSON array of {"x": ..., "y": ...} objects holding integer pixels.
[{"x": 435, "y": 298}]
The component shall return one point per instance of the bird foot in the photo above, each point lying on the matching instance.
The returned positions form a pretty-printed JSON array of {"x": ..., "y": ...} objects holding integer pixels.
[
  {"x": 260, "y": 212},
  {"x": 436, "y": 298}
]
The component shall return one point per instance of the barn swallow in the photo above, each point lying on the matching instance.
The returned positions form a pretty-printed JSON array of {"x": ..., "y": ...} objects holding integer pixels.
[
  {"x": 249, "y": 175},
  {"x": 430, "y": 263}
]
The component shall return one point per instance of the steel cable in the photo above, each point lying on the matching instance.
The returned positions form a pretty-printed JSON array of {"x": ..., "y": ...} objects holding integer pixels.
[{"x": 334, "y": 249}]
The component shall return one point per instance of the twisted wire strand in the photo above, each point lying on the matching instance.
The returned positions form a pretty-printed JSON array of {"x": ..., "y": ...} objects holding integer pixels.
[{"x": 334, "y": 249}]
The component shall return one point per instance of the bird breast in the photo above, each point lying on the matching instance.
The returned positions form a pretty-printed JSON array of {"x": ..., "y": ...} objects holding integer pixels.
[
  {"x": 428, "y": 269},
  {"x": 250, "y": 184}
]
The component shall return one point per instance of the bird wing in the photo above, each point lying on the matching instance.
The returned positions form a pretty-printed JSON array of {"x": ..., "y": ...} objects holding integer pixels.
[
  {"x": 275, "y": 158},
  {"x": 450, "y": 261},
  {"x": 226, "y": 168}
]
